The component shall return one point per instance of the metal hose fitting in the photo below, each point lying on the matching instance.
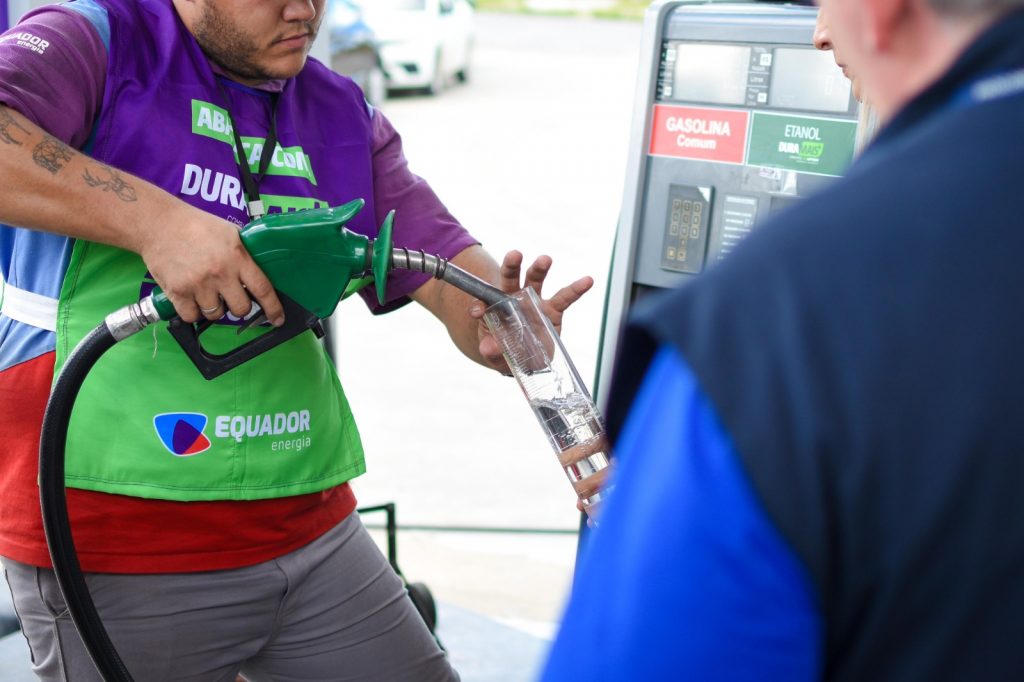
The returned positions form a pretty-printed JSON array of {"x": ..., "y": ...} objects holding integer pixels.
[
  {"x": 132, "y": 318},
  {"x": 442, "y": 269}
]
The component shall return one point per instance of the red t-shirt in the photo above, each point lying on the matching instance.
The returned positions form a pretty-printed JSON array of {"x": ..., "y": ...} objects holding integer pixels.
[{"x": 120, "y": 534}]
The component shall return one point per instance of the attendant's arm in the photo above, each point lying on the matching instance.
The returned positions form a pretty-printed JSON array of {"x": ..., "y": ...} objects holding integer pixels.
[
  {"x": 47, "y": 185},
  {"x": 197, "y": 258}
]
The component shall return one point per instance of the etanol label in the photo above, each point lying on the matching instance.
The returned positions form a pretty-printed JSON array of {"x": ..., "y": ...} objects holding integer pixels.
[{"x": 809, "y": 145}]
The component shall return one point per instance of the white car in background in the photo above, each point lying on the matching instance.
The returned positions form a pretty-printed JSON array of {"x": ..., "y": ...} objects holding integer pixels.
[
  {"x": 354, "y": 50},
  {"x": 424, "y": 44}
]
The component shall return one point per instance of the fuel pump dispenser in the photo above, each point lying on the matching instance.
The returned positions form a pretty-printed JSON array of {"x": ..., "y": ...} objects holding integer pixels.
[{"x": 736, "y": 117}]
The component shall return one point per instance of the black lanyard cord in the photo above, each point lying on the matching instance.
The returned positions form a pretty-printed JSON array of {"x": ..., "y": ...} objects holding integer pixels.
[{"x": 249, "y": 181}]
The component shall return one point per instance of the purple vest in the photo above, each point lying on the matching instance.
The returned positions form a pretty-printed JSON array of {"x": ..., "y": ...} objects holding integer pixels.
[
  {"x": 161, "y": 95},
  {"x": 280, "y": 424}
]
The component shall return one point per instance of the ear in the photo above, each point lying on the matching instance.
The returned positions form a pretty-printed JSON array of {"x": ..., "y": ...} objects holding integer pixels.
[{"x": 883, "y": 20}]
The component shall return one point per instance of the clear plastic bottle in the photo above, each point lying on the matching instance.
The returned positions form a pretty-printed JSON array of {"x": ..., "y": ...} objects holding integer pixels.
[{"x": 553, "y": 387}]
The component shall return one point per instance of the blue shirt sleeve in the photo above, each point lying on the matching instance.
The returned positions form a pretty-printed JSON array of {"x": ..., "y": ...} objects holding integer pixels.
[
  {"x": 97, "y": 16},
  {"x": 686, "y": 578}
]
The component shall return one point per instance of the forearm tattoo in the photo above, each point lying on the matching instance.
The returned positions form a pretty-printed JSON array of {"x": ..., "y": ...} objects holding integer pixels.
[
  {"x": 51, "y": 154},
  {"x": 7, "y": 127},
  {"x": 110, "y": 181}
]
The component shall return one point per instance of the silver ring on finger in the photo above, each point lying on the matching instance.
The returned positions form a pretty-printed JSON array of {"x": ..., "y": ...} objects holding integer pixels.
[{"x": 207, "y": 311}]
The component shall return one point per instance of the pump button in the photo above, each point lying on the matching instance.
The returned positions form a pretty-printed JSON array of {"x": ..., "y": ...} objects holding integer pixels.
[{"x": 686, "y": 234}]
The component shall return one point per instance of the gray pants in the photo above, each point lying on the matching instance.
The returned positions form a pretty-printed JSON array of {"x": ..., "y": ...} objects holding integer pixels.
[{"x": 332, "y": 610}]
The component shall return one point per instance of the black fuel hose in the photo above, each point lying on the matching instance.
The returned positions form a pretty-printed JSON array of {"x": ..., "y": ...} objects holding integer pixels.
[{"x": 55, "y": 506}]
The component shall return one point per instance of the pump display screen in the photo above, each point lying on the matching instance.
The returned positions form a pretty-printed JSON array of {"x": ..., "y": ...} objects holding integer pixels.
[
  {"x": 808, "y": 79},
  {"x": 715, "y": 74},
  {"x": 781, "y": 77}
]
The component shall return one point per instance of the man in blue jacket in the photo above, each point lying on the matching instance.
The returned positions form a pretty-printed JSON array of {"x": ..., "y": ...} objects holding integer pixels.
[{"x": 822, "y": 460}]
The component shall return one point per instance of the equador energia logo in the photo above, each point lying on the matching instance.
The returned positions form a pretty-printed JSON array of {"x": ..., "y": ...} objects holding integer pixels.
[{"x": 182, "y": 432}]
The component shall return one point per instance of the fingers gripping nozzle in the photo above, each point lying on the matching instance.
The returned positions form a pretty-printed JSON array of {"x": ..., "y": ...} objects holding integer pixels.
[{"x": 313, "y": 261}]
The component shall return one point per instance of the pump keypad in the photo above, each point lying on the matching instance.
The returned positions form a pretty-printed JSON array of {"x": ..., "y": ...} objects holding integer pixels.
[{"x": 686, "y": 237}]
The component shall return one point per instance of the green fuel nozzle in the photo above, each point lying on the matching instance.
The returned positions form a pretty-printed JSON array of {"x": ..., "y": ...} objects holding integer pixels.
[
  {"x": 310, "y": 256},
  {"x": 314, "y": 262}
]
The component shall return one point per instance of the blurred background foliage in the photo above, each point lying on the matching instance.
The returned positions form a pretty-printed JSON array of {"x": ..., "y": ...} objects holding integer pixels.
[{"x": 604, "y": 9}]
